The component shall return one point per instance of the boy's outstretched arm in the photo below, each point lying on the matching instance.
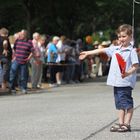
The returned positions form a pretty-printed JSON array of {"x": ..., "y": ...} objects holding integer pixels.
[{"x": 84, "y": 54}]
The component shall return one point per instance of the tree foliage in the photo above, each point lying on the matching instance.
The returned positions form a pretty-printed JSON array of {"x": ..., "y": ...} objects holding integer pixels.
[{"x": 74, "y": 18}]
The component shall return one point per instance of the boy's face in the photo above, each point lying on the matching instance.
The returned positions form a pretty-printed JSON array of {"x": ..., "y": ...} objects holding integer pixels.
[{"x": 124, "y": 38}]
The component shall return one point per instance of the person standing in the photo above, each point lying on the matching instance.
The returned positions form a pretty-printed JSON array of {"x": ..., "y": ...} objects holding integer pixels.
[
  {"x": 5, "y": 56},
  {"x": 60, "y": 59},
  {"x": 51, "y": 60},
  {"x": 121, "y": 77},
  {"x": 36, "y": 63},
  {"x": 23, "y": 49},
  {"x": 42, "y": 43}
]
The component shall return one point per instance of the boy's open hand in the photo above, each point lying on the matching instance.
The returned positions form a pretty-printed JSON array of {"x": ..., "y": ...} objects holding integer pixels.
[{"x": 83, "y": 55}]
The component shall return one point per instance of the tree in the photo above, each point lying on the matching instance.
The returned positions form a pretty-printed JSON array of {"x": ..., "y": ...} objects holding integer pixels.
[{"x": 74, "y": 18}]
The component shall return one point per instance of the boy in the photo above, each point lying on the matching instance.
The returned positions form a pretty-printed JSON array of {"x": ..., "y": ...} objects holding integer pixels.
[{"x": 123, "y": 82}]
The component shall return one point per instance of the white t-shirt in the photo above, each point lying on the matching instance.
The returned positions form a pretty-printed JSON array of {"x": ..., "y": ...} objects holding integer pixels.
[
  {"x": 129, "y": 54},
  {"x": 61, "y": 54}
]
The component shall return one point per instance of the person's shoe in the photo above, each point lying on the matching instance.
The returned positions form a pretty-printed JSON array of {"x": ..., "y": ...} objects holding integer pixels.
[
  {"x": 63, "y": 82},
  {"x": 82, "y": 77},
  {"x": 34, "y": 88},
  {"x": 71, "y": 82},
  {"x": 24, "y": 91},
  {"x": 115, "y": 127},
  {"x": 125, "y": 128},
  {"x": 13, "y": 91},
  {"x": 59, "y": 83},
  {"x": 53, "y": 85},
  {"x": 39, "y": 86},
  {"x": 77, "y": 81}
]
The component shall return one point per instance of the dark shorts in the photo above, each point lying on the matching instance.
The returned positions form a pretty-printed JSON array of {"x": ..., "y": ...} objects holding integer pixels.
[
  {"x": 123, "y": 97},
  {"x": 61, "y": 67}
]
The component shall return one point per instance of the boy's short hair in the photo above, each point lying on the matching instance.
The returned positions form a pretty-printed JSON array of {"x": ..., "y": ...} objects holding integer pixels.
[{"x": 125, "y": 28}]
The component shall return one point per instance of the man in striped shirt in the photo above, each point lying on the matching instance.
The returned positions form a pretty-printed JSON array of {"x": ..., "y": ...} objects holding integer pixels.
[{"x": 23, "y": 49}]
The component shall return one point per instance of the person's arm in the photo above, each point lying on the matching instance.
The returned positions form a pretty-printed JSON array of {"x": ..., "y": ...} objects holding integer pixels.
[
  {"x": 30, "y": 56},
  {"x": 131, "y": 70},
  {"x": 84, "y": 54},
  {"x": 5, "y": 47}
]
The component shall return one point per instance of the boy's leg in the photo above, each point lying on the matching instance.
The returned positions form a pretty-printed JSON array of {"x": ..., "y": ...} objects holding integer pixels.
[
  {"x": 121, "y": 116},
  {"x": 127, "y": 102},
  {"x": 128, "y": 116},
  {"x": 126, "y": 126}
]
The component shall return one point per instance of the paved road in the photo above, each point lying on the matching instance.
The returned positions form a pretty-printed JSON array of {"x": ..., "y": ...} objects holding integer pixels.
[{"x": 71, "y": 112}]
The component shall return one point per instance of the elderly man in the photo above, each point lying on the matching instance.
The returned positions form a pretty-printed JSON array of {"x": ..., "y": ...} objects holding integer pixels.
[{"x": 36, "y": 63}]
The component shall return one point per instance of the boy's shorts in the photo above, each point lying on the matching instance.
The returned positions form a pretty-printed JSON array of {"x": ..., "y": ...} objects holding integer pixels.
[{"x": 123, "y": 97}]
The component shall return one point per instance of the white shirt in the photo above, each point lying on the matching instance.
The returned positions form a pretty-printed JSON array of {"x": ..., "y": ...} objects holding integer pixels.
[
  {"x": 129, "y": 54},
  {"x": 61, "y": 54}
]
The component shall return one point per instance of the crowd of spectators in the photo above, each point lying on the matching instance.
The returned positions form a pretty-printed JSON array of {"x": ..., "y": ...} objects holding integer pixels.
[{"x": 53, "y": 60}]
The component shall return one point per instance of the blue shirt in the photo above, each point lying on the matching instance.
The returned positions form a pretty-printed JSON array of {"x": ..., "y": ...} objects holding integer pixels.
[
  {"x": 52, "y": 53},
  {"x": 129, "y": 54}
]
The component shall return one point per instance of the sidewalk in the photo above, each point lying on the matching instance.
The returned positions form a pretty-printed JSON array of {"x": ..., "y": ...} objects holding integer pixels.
[
  {"x": 105, "y": 134},
  {"x": 45, "y": 86},
  {"x": 82, "y": 111}
]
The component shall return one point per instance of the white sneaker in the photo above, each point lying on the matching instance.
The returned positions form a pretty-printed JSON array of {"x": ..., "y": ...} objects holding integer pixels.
[
  {"x": 59, "y": 83},
  {"x": 52, "y": 85}
]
